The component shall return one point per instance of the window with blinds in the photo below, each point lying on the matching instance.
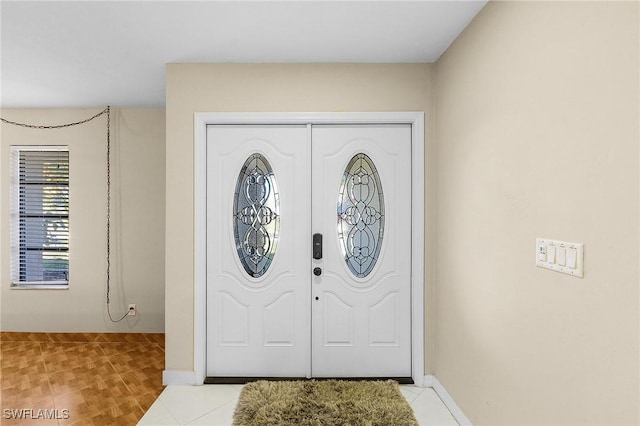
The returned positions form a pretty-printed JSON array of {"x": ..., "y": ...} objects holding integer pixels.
[{"x": 40, "y": 216}]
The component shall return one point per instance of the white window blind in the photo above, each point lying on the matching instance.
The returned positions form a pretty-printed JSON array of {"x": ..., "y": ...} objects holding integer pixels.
[{"x": 40, "y": 215}]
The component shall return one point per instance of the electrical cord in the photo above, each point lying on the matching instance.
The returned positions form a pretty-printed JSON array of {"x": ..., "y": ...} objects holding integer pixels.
[{"x": 108, "y": 110}]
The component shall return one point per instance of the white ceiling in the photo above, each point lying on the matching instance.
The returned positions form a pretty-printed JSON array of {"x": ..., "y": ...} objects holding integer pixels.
[{"x": 94, "y": 53}]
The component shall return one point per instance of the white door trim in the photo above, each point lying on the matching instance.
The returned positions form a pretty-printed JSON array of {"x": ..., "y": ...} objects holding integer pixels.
[{"x": 416, "y": 119}]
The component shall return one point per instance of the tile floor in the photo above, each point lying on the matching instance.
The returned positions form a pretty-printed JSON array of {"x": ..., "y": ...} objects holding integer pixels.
[
  {"x": 213, "y": 405},
  {"x": 79, "y": 378},
  {"x": 114, "y": 378}
]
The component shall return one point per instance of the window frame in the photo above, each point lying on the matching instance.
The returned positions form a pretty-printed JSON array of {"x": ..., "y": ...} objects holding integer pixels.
[{"x": 16, "y": 215}]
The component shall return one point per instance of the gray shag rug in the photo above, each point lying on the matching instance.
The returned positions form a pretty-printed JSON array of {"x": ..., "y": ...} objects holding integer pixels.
[{"x": 325, "y": 402}]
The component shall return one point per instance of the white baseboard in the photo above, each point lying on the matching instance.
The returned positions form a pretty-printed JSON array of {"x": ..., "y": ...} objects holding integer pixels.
[
  {"x": 179, "y": 377},
  {"x": 428, "y": 381},
  {"x": 431, "y": 381}
]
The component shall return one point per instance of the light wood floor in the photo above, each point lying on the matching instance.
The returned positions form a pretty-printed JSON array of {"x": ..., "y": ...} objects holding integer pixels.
[{"x": 79, "y": 378}]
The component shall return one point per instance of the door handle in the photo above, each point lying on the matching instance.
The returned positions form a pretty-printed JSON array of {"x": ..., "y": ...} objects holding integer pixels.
[
  {"x": 317, "y": 246},
  {"x": 317, "y": 272}
]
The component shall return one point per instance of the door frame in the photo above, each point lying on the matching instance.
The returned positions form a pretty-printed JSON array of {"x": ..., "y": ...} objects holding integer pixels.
[{"x": 415, "y": 119}]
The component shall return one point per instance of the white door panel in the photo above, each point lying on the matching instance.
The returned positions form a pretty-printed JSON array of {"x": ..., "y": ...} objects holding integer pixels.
[
  {"x": 258, "y": 326},
  {"x": 362, "y": 324}
]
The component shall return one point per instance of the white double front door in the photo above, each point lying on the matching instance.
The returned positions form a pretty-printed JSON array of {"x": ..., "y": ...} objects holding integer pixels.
[{"x": 308, "y": 251}]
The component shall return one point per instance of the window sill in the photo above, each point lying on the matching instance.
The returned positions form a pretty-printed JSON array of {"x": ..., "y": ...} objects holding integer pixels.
[{"x": 39, "y": 286}]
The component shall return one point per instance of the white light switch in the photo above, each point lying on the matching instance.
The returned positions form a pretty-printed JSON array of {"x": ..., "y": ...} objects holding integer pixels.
[
  {"x": 560, "y": 256},
  {"x": 561, "y": 253},
  {"x": 572, "y": 255},
  {"x": 551, "y": 254},
  {"x": 542, "y": 253}
]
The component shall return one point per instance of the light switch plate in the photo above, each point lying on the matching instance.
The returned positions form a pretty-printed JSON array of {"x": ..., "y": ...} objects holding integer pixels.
[{"x": 558, "y": 263}]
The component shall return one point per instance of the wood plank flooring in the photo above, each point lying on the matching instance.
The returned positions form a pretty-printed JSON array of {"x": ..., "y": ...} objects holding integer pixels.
[{"x": 79, "y": 378}]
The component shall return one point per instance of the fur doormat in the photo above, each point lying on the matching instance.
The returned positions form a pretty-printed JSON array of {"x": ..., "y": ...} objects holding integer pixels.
[{"x": 323, "y": 403}]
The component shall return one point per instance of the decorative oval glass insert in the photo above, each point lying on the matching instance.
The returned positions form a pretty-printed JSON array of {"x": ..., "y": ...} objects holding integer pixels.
[
  {"x": 360, "y": 215},
  {"x": 256, "y": 215}
]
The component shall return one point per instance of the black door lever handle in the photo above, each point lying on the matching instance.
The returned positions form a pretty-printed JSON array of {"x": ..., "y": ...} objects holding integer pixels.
[{"x": 317, "y": 272}]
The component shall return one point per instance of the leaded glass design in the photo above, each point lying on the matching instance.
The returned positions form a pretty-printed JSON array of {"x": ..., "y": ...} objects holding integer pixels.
[
  {"x": 360, "y": 215},
  {"x": 256, "y": 215}
]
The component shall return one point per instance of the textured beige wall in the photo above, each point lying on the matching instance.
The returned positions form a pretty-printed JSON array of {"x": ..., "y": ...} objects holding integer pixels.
[
  {"x": 537, "y": 136},
  {"x": 195, "y": 88},
  {"x": 137, "y": 240}
]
